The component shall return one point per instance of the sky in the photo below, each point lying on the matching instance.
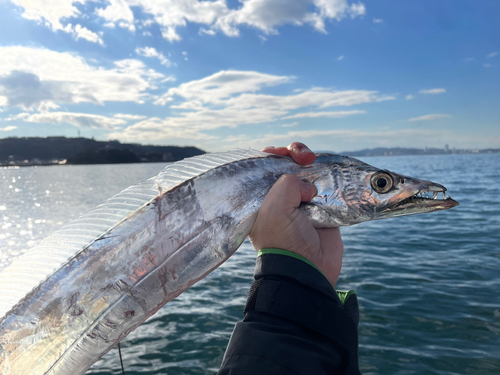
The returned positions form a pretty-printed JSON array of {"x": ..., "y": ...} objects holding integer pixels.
[{"x": 337, "y": 75}]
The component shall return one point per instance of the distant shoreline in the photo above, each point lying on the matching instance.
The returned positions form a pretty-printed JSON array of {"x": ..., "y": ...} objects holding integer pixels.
[
  {"x": 3, "y": 166},
  {"x": 353, "y": 154},
  {"x": 50, "y": 151},
  {"x": 400, "y": 151},
  {"x": 36, "y": 151}
]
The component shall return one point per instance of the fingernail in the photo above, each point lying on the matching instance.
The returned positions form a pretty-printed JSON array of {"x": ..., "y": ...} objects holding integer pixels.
[
  {"x": 302, "y": 147},
  {"x": 315, "y": 189}
]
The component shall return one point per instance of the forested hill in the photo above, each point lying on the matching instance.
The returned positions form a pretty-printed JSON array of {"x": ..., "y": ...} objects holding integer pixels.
[{"x": 60, "y": 150}]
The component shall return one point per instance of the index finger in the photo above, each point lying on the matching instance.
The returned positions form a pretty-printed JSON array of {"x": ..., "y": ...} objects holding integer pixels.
[{"x": 299, "y": 152}]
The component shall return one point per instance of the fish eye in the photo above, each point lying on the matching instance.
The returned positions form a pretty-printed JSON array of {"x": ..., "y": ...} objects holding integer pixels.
[{"x": 381, "y": 182}]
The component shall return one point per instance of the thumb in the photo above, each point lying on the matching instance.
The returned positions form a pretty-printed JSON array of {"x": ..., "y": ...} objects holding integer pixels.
[
  {"x": 288, "y": 192},
  {"x": 307, "y": 191}
]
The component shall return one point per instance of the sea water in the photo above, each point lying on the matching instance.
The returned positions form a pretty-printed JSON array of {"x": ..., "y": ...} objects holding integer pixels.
[{"x": 428, "y": 285}]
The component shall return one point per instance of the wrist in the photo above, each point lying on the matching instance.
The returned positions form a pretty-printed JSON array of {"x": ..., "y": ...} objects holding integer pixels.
[{"x": 274, "y": 250}]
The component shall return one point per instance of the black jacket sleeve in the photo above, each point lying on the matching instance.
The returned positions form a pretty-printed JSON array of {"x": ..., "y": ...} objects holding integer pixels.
[{"x": 294, "y": 323}]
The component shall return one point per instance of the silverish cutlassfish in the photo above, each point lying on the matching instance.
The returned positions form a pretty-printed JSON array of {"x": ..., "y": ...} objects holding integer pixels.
[{"x": 84, "y": 288}]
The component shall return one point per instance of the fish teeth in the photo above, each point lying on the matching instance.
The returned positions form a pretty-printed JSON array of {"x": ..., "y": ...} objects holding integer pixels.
[{"x": 434, "y": 195}]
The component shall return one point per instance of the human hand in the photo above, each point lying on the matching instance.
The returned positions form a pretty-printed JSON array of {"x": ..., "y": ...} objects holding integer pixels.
[{"x": 280, "y": 224}]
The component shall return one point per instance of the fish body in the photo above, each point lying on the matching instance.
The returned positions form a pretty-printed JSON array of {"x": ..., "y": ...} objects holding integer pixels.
[{"x": 84, "y": 288}]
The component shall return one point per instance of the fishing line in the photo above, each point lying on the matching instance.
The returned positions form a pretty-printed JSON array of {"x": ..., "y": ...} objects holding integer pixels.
[{"x": 121, "y": 361}]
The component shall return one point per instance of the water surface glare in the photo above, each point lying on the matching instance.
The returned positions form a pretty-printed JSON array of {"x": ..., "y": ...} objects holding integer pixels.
[{"x": 427, "y": 284}]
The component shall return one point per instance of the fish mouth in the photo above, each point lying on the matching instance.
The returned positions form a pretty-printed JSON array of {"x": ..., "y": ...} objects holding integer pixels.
[{"x": 426, "y": 199}]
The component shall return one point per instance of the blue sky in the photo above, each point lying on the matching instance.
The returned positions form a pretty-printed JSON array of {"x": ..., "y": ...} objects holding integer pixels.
[{"x": 336, "y": 74}]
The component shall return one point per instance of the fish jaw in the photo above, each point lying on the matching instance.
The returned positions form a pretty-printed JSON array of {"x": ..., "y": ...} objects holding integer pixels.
[
  {"x": 347, "y": 195},
  {"x": 413, "y": 196}
]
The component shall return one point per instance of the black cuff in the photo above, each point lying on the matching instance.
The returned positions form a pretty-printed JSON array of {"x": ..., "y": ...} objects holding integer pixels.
[
  {"x": 288, "y": 288},
  {"x": 294, "y": 324}
]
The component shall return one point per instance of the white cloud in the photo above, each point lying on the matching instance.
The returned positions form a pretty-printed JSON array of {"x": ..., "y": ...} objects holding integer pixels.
[
  {"x": 76, "y": 119},
  {"x": 118, "y": 12},
  {"x": 169, "y": 79},
  {"x": 340, "y": 58},
  {"x": 147, "y": 51},
  {"x": 8, "y": 128},
  {"x": 487, "y": 65},
  {"x": 432, "y": 91},
  {"x": 152, "y": 52},
  {"x": 170, "y": 15},
  {"x": 468, "y": 59},
  {"x": 430, "y": 117},
  {"x": 290, "y": 125},
  {"x": 222, "y": 85},
  {"x": 82, "y": 32},
  {"x": 378, "y": 20},
  {"x": 206, "y": 32},
  {"x": 220, "y": 89},
  {"x": 24, "y": 90},
  {"x": 267, "y": 15},
  {"x": 52, "y": 12},
  {"x": 409, "y": 97},
  {"x": 233, "y": 98},
  {"x": 126, "y": 116},
  {"x": 338, "y": 114},
  {"x": 170, "y": 34},
  {"x": 34, "y": 77},
  {"x": 493, "y": 54},
  {"x": 355, "y": 10}
]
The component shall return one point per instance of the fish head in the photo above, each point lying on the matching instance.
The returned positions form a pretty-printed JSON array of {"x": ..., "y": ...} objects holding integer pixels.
[
  {"x": 351, "y": 191},
  {"x": 398, "y": 195}
]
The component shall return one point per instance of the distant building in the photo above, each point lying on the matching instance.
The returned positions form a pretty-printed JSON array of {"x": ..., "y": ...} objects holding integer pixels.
[{"x": 446, "y": 148}]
